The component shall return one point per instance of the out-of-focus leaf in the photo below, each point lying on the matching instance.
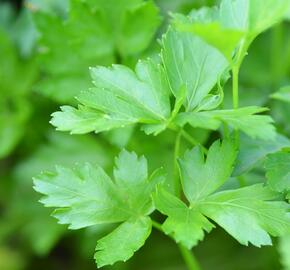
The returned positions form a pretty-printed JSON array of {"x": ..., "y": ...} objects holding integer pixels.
[
  {"x": 16, "y": 78},
  {"x": 205, "y": 23},
  {"x": 235, "y": 22},
  {"x": 284, "y": 247},
  {"x": 252, "y": 151},
  {"x": 27, "y": 216},
  {"x": 252, "y": 16},
  {"x": 24, "y": 34},
  {"x": 94, "y": 33},
  {"x": 10, "y": 259},
  {"x": 278, "y": 171},
  {"x": 283, "y": 94}
]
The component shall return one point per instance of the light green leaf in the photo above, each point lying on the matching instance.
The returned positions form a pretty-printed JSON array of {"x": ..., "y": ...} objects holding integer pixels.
[
  {"x": 84, "y": 120},
  {"x": 200, "y": 177},
  {"x": 128, "y": 175},
  {"x": 191, "y": 63},
  {"x": 278, "y": 171},
  {"x": 185, "y": 224},
  {"x": 283, "y": 94},
  {"x": 249, "y": 214},
  {"x": 244, "y": 119},
  {"x": 121, "y": 244},
  {"x": 211, "y": 101},
  {"x": 121, "y": 97},
  {"x": 86, "y": 196},
  {"x": 147, "y": 87}
]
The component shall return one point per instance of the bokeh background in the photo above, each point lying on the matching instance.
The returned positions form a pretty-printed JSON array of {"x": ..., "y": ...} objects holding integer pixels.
[{"x": 42, "y": 66}]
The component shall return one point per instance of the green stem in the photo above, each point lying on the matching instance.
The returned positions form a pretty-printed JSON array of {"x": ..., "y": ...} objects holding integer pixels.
[
  {"x": 175, "y": 156},
  {"x": 242, "y": 52},
  {"x": 187, "y": 255},
  {"x": 235, "y": 79},
  {"x": 235, "y": 72},
  {"x": 189, "y": 258}
]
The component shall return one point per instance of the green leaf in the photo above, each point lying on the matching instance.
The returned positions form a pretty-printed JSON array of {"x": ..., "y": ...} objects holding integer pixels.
[
  {"x": 206, "y": 176},
  {"x": 249, "y": 214},
  {"x": 136, "y": 174},
  {"x": 84, "y": 120},
  {"x": 212, "y": 100},
  {"x": 147, "y": 86},
  {"x": 244, "y": 119},
  {"x": 278, "y": 171},
  {"x": 191, "y": 63},
  {"x": 253, "y": 151},
  {"x": 185, "y": 224},
  {"x": 121, "y": 244},
  {"x": 121, "y": 97},
  {"x": 283, "y": 94},
  {"x": 86, "y": 196}
]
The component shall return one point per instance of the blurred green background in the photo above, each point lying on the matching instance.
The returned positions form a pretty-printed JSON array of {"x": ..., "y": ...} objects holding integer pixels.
[{"x": 45, "y": 52}]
